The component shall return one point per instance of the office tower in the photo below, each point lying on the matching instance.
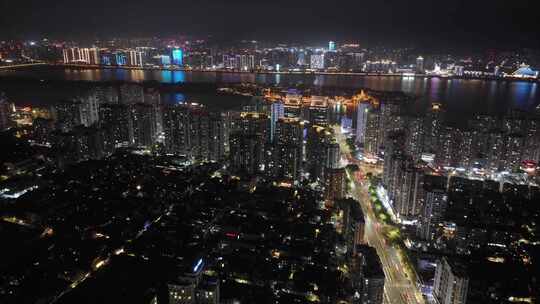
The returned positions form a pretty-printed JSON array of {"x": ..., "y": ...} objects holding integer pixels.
[
  {"x": 249, "y": 134},
  {"x": 414, "y": 141},
  {"x": 165, "y": 60},
  {"x": 288, "y": 149},
  {"x": 71, "y": 55},
  {"x": 176, "y": 129},
  {"x": 135, "y": 58},
  {"x": 420, "y": 65},
  {"x": 117, "y": 120},
  {"x": 372, "y": 284},
  {"x": 106, "y": 58},
  {"x": 435, "y": 204},
  {"x": 451, "y": 282},
  {"x": 277, "y": 111},
  {"x": 121, "y": 59},
  {"x": 361, "y": 122},
  {"x": 331, "y": 46},
  {"x": 318, "y": 110},
  {"x": 144, "y": 124},
  {"x": 317, "y": 62},
  {"x": 95, "y": 57},
  {"x": 433, "y": 126},
  {"x": 243, "y": 62},
  {"x": 65, "y": 56},
  {"x": 301, "y": 62},
  {"x": 177, "y": 57},
  {"x": 5, "y": 113}
]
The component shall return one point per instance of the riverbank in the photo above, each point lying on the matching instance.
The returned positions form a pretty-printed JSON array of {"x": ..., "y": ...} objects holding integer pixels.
[{"x": 305, "y": 73}]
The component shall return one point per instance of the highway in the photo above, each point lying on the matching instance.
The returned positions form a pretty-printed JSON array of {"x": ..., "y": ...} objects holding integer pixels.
[{"x": 398, "y": 287}]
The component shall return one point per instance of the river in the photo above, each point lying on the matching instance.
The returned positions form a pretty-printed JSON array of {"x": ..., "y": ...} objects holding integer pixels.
[{"x": 458, "y": 95}]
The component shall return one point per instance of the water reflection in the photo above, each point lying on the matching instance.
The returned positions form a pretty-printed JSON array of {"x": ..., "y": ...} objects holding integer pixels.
[{"x": 460, "y": 94}]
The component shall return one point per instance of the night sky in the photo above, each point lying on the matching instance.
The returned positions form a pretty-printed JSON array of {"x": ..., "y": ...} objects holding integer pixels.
[{"x": 495, "y": 23}]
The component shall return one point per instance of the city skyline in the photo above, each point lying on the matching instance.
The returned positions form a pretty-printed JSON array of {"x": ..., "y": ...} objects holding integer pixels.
[{"x": 277, "y": 152}]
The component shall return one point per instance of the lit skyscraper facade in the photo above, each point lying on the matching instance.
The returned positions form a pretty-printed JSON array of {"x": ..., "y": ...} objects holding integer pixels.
[
  {"x": 420, "y": 65},
  {"x": 317, "y": 61},
  {"x": 361, "y": 121},
  {"x": 331, "y": 46},
  {"x": 177, "y": 57},
  {"x": 277, "y": 111}
]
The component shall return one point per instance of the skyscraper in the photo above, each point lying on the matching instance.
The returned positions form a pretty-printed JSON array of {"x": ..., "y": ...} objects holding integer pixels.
[
  {"x": 317, "y": 139},
  {"x": 248, "y": 140},
  {"x": 435, "y": 205},
  {"x": 331, "y": 46},
  {"x": 175, "y": 128},
  {"x": 116, "y": 120},
  {"x": 415, "y": 137},
  {"x": 135, "y": 58},
  {"x": 317, "y": 62},
  {"x": 144, "y": 124},
  {"x": 288, "y": 149},
  {"x": 361, "y": 121},
  {"x": 409, "y": 196},
  {"x": 89, "y": 110},
  {"x": 451, "y": 282},
  {"x": 420, "y": 65},
  {"x": 335, "y": 186},
  {"x": 277, "y": 111},
  {"x": 372, "y": 137},
  {"x": 5, "y": 113},
  {"x": 433, "y": 126},
  {"x": 177, "y": 57},
  {"x": 372, "y": 284}
]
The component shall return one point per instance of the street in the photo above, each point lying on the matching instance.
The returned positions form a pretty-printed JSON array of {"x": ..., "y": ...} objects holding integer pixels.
[{"x": 398, "y": 288}]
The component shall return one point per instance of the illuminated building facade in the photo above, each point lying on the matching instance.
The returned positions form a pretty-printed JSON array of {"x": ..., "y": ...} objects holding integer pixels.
[{"x": 177, "y": 57}]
